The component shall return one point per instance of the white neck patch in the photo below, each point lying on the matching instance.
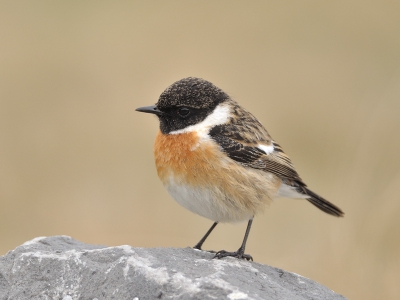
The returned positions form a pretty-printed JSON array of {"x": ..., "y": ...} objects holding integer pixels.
[{"x": 219, "y": 116}]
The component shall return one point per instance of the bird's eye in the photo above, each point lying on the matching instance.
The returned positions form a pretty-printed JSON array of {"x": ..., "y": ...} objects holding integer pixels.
[{"x": 183, "y": 111}]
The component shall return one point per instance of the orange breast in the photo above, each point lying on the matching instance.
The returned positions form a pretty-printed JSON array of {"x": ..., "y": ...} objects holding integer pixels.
[
  {"x": 181, "y": 156},
  {"x": 182, "y": 160}
]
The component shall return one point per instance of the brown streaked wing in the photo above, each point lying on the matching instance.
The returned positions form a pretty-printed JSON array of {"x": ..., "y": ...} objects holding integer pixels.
[{"x": 277, "y": 162}]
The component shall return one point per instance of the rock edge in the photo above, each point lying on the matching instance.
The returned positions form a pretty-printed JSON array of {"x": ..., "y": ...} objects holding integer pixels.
[{"x": 62, "y": 268}]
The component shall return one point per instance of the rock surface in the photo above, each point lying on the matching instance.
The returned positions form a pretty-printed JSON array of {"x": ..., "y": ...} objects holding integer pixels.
[{"x": 62, "y": 268}]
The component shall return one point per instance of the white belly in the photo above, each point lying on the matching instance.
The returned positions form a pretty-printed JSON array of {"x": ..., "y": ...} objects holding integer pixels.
[{"x": 206, "y": 203}]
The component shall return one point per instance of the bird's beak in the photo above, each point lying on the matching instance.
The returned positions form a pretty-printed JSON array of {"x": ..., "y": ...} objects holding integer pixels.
[{"x": 152, "y": 109}]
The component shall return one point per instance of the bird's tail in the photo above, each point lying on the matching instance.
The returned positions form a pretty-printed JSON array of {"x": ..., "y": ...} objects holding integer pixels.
[{"x": 323, "y": 204}]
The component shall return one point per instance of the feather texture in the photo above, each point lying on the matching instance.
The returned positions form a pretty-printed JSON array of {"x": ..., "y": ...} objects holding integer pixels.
[{"x": 241, "y": 138}]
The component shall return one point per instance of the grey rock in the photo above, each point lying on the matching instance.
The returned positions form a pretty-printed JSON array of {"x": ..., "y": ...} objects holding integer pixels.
[{"x": 62, "y": 268}]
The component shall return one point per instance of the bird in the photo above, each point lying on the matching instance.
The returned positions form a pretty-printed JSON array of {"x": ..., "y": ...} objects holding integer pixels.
[{"x": 218, "y": 161}]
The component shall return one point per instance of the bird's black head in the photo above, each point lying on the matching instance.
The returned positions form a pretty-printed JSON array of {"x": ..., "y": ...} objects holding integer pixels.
[{"x": 186, "y": 102}]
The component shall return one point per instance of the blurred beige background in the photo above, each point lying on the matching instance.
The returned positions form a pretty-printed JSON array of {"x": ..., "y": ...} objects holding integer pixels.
[{"x": 322, "y": 76}]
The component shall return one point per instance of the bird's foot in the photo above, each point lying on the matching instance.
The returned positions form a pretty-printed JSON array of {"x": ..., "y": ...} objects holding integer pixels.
[
  {"x": 238, "y": 254},
  {"x": 199, "y": 248}
]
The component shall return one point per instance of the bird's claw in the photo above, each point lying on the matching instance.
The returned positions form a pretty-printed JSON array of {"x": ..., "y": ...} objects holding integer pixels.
[
  {"x": 237, "y": 254},
  {"x": 199, "y": 248}
]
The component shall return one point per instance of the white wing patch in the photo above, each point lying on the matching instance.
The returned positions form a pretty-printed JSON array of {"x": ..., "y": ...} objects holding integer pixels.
[{"x": 267, "y": 149}]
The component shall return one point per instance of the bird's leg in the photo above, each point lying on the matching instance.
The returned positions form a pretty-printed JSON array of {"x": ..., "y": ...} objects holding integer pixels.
[
  {"x": 240, "y": 253},
  {"x": 200, "y": 243}
]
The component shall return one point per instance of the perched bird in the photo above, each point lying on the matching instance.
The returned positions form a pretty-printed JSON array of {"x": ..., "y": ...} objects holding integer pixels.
[{"x": 218, "y": 161}]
